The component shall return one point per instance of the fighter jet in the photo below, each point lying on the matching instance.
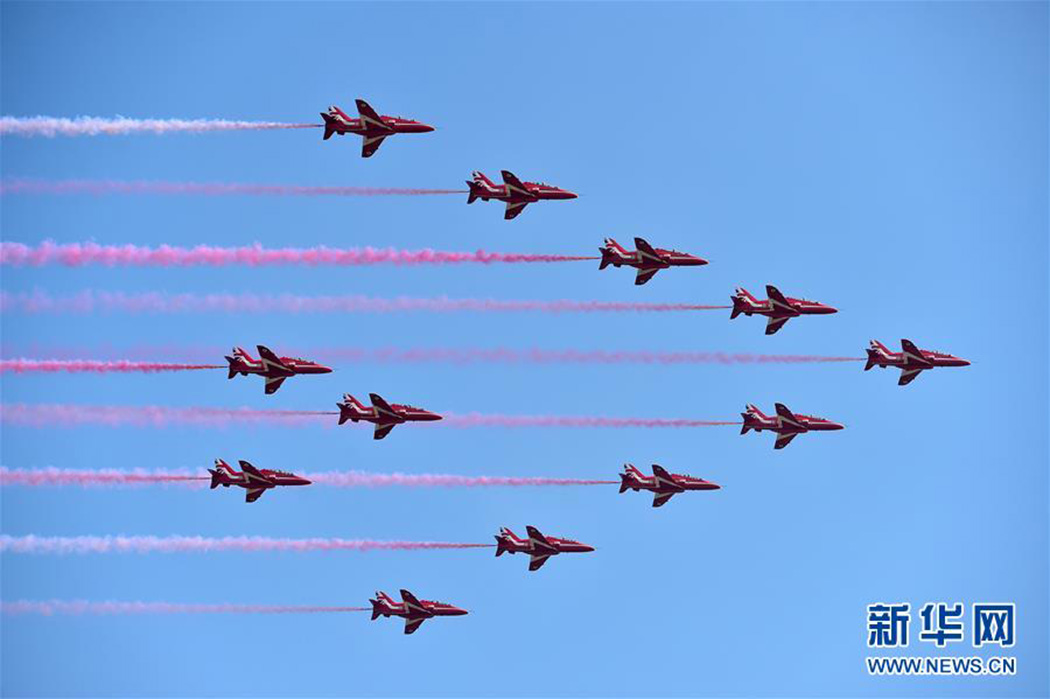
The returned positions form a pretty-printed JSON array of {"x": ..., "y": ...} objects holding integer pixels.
[
  {"x": 516, "y": 193},
  {"x": 538, "y": 546},
  {"x": 662, "y": 484},
  {"x": 370, "y": 125},
  {"x": 910, "y": 359},
  {"x": 785, "y": 423},
  {"x": 271, "y": 367},
  {"x": 646, "y": 259},
  {"x": 414, "y": 611},
  {"x": 778, "y": 308},
  {"x": 385, "y": 415},
  {"x": 254, "y": 480}
]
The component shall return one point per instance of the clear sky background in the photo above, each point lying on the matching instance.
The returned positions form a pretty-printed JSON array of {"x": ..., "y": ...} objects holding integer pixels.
[{"x": 888, "y": 159}]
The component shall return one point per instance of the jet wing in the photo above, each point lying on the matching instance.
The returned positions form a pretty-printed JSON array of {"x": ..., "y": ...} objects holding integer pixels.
[
  {"x": 662, "y": 475},
  {"x": 513, "y": 184},
  {"x": 784, "y": 439},
  {"x": 383, "y": 430},
  {"x": 647, "y": 250},
  {"x": 412, "y": 602},
  {"x": 788, "y": 416},
  {"x": 907, "y": 376},
  {"x": 370, "y": 144},
  {"x": 778, "y": 298},
  {"x": 254, "y": 494},
  {"x": 412, "y": 624},
  {"x": 660, "y": 498},
  {"x": 537, "y": 561},
  {"x": 371, "y": 117},
  {"x": 539, "y": 539},
  {"x": 252, "y": 474},
  {"x": 914, "y": 353},
  {"x": 775, "y": 324},
  {"x": 513, "y": 209},
  {"x": 272, "y": 363},
  {"x": 273, "y": 384},
  {"x": 381, "y": 404},
  {"x": 645, "y": 275}
]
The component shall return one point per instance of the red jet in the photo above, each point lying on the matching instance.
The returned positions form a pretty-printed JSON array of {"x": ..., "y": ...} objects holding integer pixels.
[
  {"x": 414, "y": 611},
  {"x": 785, "y": 423},
  {"x": 646, "y": 259},
  {"x": 370, "y": 125},
  {"x": 254, "y": 480},
  {"x": 663, "y": 484},
  {"x": 273, "y": 368},
  {"x": 383, "y": 414},
  {"x": 538, "y": 546},
  {"x": 910, "y": 359},
  {"x": 778, "y": 308},
  {"x": 516, "y": 193}
]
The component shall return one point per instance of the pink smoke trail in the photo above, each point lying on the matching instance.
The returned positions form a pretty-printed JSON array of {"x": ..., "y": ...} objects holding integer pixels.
[
  {"x": 53, "y": 607},
  {"x": 80, "y": 254},
  {"x": 31, "y": 186},
  {"x": 443, "y": 355},
  {"x": 119, "y": 126},
  {"x": 49, "y": 414},
  {"x": 202, "y": 544},
  {"x": 79, "y": 366},
  {"x": 67, "y": 415},
  {"x": 479, "y": 420},
  {"x": 157, "y": 302},
  {"x": 102, "y": 478}
]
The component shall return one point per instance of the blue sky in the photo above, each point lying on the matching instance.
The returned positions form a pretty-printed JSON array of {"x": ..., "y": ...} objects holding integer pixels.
[{"x": 888, "y": 159}]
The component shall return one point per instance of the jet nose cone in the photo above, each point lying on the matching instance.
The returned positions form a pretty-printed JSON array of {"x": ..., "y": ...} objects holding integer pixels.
[
  {"x": 714, "y": 486},
  {"x": 962, "y": 362},
  {"x": 425, "y": 128},
  {"x": 456, "y": 611},
  {"x": 303, "y": 481},
  {"x": 570, "y": 195},
  {"x": 830, "y": 309},
  {"x": 836, "y": 426},
  {"x": 586, "y": 548}
]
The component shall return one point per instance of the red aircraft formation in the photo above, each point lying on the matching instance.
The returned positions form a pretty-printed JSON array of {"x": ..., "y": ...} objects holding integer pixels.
[
  {"x": 911, "y": 360},
  {"x": 646, "y": 259},
  {"x": 785, "y": 423},
  {"x": 778, "y": 308},
  {"x": 384, "y": 415},
  {"x": 370, "y": 125},
  {"x": 662, "y": 484},
  {"x": 514, "y": 192},
  {"x": 255, "y": 481},
  {"x": 538, "y": 546},
  {"x": 271, "y": 367},
  {"x": 414, "y": 611}
]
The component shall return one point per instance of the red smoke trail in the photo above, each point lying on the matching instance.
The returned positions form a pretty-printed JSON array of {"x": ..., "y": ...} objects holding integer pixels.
[
  {"x": 156, "y": 302},
  {"x": 102, "y": 478},
  {"x": 66, "y": 415},
  {"x": 203, "y": 544},
  {"x": 78, "y": 366},
  {"x": 119, "y": 126},
  {"x": 30, "y": 186},
  {"x": 80, "y": 254},
  {"x": 52, "y": 607}
]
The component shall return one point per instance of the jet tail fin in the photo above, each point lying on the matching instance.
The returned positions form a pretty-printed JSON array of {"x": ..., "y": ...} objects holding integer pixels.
[
  {"x": 473, "y": 193},
  {"x": 872, "y": 359},
  {"x": 215, "y": 478},
  {"x": 607, "y": 257},
  {"x": 624, "y": 483},
  {"x": 375, "y": 609},
  {"x": 501, "y": 545},
  {"x": 329, "y": 125},
  {"x": 344, "y": 412},
  {"x": 738, "y": 306},
  {"x": 233, "y": 370}
]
